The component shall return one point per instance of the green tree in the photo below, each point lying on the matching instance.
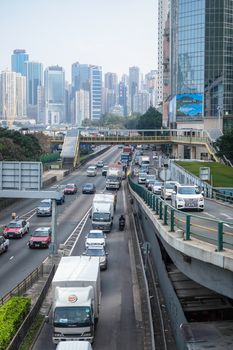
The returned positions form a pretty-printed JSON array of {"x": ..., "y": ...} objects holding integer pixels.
[
  {"x": 225, "y": 145},
  {"x": 152, "y": 119}
]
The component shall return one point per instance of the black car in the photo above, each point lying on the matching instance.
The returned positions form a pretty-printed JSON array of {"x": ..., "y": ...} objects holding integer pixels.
[
  {"x": 104, "y": 170},
  {"x": 88, "y": 188}
]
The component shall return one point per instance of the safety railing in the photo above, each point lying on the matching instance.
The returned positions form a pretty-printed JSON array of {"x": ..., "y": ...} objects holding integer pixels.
[
  {"x": 23, "y": 286},
  {"x": 223, "y": 197},
  {"x": 217, "y": 232},
  {"x": 145, "y": 138}
]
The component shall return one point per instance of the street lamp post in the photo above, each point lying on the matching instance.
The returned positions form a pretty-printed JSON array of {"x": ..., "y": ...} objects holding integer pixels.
[{"x": 219, "y": 117}]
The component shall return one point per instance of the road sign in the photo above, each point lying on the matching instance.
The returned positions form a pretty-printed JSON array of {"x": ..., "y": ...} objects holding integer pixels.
[
  {"x": 21, "y": 176},
  {"x": 204, "y": 173},
  {"x": 165, "y": 174}
]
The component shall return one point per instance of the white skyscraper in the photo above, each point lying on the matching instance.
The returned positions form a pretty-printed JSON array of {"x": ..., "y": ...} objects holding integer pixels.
[
  {"x": 8, "y": 97},
  {"x": 20, "y": 96},
  {"x": 82, "y": 106},
  {"x": 163, "y": 7}
]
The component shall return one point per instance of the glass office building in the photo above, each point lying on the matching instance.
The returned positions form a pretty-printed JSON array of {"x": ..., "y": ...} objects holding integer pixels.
[
  {"x": 96, "y": 92},
  {"x": 201, "y": 60},
  {"x": 18, "y": 59},
  {"x": 54, "y": 95}
]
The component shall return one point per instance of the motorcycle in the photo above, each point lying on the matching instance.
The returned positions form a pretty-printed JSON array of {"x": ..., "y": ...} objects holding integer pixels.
[{"x": 121, "y": 225}]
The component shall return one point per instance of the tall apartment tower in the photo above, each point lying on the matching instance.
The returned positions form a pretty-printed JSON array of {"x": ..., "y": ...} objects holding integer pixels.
[
  {"x": 34, "y": 78},
  {"x": 96, "y": 92},
  {"x": 18, "y": 59},
  {"x": 111, "y": 93},
  {"x": 21, "y": 111},
  {"x": 201, "y": 64},
  {"x": 8, "y": 97},
  {"x": 163, "y": 8},
  {"x": 54, "y": 95},
  {"x": 134, "y": 85}
]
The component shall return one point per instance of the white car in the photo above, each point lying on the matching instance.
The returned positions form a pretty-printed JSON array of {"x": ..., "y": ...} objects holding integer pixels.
[
  {"x": 187, "y": 197},
  {"x": 142, "y": 178},
  {"x": 95, "y": 238},
  {"x": 92, "y": 170},
  {"x": 156, "y": 188},
  {"x": 167, "y": 189}
]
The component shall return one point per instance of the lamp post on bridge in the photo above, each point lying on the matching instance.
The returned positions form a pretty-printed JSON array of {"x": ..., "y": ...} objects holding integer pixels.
[{"x": 219, "y": 109}]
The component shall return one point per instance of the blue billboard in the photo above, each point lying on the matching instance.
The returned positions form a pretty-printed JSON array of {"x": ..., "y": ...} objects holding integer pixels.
[{"x": 189, "y": 106}]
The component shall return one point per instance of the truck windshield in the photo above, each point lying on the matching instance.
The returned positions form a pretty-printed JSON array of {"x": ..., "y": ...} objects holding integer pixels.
[
  {"x": 113, "y": 178},
  {"x": 101, "y": 216},
  {"x": 72, "y": 317}
]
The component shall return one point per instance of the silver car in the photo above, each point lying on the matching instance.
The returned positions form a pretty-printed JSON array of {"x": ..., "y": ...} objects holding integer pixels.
[{"x": 99, "y": 252}]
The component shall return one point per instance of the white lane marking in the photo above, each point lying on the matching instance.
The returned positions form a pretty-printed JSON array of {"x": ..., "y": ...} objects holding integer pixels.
[
  {"x": 135, "y": 286},
  {"x": 227, "y": 216},
  {"x": 83, "y": 225},
  {"x": 12, "y": 257},
  {"x": 212, "y": 216}
]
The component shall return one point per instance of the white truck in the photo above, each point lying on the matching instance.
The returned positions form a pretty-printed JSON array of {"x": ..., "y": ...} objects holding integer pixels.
[
  {"x": 76, "y": 298},
  {"x": 144, "y": 160},
  {"x": 74, "y": 345},
  {"x": 114, "y": 177},
  {"x": 103, "y": 212}
]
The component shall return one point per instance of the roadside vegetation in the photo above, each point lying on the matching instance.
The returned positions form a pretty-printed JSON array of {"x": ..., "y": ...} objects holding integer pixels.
[
  {"x": 222, "y": 175},
  {"x": 225, "y": 145}
]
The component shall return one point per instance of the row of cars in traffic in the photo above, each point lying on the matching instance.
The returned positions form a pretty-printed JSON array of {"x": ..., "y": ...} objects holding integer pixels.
[{"x": 182, "y": 196}]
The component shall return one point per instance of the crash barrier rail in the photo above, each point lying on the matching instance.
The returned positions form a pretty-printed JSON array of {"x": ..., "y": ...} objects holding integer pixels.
[
  {"x": 23, "y": 286},
  {"x": 217, "y": 232},
  {"x": 223, "y": 197},
  {"x": 23, "y": 330}
]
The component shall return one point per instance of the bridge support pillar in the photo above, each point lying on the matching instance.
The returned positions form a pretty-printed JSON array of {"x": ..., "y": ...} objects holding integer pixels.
[
  {"x": 175, "y": 152},
  {"x": 193, "y": 152}
]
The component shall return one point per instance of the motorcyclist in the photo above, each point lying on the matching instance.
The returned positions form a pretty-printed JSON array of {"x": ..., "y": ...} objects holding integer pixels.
[{"x": 122, "y": 221}]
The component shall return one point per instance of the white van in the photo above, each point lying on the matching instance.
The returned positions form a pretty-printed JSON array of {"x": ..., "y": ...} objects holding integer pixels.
[{"x": 74, "y": 345}]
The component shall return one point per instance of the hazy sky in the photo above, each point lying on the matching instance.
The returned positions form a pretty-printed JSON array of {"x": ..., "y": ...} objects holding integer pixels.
[{"x": 114, "y": 34}]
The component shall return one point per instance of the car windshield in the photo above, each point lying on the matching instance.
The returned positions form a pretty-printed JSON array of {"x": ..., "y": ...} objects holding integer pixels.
[
  {"x": 105, "y": 168},
  {"x": 44, "y": 204},
  {"x": 150, "y": 177},
  {"x": 14, "y": 225},
  {"x": 95, "y": 252},
  {"x": 169, "y": 186},
  {"x": 188, "y": 190},
  {"x": 95, "y": 235},
  {"x": 88, "y": 186},
  {"x": 41, "y": 233},
  {"x": 72, "y": 316},
  {"x": 101, "y": 216},
  {"x": 91, "y": 168},
  {"x": 70, "y": 186},
  {"x": 157, "y": 183}
]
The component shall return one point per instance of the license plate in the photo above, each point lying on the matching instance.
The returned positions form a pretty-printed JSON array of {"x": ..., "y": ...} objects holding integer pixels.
[{"x": 37, "y": 245}]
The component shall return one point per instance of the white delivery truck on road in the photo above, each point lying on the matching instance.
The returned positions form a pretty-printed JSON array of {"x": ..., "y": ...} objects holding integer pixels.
[
  {"x": 74, "y": 345},
  {"x": 76, "y": 298},
  {"x": 114, "y": 177},
  {"x": 144, "y": 160},
  {"x": 103, "y": 211}
]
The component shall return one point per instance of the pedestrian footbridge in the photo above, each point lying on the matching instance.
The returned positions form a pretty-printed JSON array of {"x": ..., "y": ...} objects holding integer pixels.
[{"x": 173, "y": 137}]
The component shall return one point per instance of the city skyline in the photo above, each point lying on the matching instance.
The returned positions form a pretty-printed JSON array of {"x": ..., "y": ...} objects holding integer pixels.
[{"x": 80, "y": 35}]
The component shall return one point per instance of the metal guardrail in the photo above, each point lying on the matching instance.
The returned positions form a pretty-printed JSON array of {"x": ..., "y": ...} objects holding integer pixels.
[
  {"x": 217, "y": 232},
  {"x": 223, "y": 197},
  {"x": 23, "y": 286}
]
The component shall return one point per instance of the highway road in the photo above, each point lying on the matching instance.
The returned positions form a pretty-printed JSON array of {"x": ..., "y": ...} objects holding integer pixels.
[
  {"x": 119, "y": 325},
  {"x": 20, "y": 261}
]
